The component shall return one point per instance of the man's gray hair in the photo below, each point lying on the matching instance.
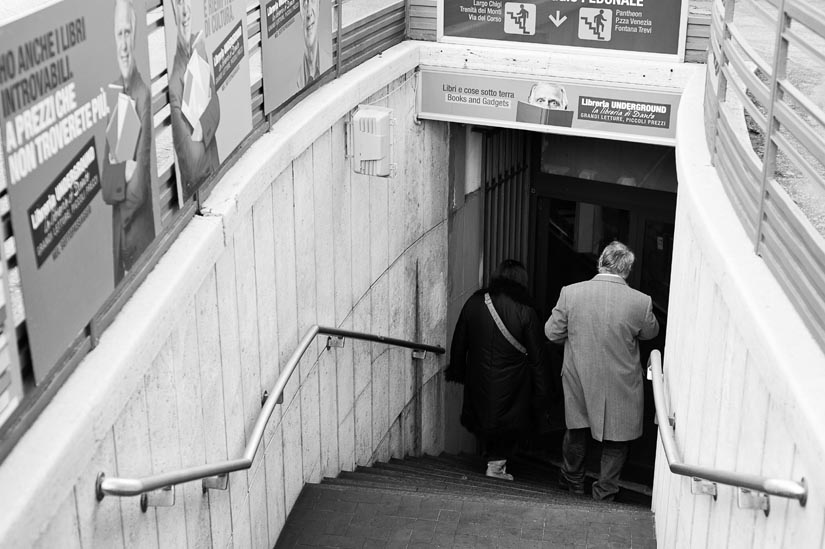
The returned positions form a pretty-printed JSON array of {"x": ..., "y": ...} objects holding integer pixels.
[
  {"x": 616, "y": 259},
  {"x": 130, "y": 5}
]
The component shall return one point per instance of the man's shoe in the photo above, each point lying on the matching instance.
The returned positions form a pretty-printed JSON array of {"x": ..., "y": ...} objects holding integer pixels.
[{"x": 498, "y": 469}]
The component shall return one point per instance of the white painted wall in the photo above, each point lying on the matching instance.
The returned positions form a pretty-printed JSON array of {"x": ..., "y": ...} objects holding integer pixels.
[
  {"x": 745, "y": 378},
  {"x": 290, "y": 237}
]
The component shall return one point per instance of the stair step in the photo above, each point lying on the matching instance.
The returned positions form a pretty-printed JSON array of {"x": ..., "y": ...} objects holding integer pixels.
[
  {"x": 328, "y": 484},
  {"x": 438, "y": 471},
  {"x": 424, "y": 484},
  {"x": 538, "y": 470},
  {"x": 431, "y": 489},
  {"x": 554, "y": 464},
  {"x": 438, "y": 491},
  {"x": 533, "y": 471}
]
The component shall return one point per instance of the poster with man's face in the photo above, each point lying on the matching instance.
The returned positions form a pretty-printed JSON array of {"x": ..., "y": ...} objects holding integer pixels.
[
  {"x": 209, "y": 90},
  {"x": 78, "y": 160},
  {"x": 296, "y": 46}
]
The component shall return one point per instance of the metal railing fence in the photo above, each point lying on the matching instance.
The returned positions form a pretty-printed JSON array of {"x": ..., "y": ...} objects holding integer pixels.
[{"x": 772, "y": 160}]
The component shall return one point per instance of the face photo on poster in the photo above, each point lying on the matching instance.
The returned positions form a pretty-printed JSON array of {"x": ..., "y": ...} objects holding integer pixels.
[
  {"x": 209, "y": 92},
  {"x": 79, "y": 160},
  {"x": 290, "y": 27},
  {"x": 545, "y": 104}
]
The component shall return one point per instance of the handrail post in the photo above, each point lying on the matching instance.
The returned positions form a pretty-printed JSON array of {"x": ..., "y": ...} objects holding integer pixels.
[
  {"x": 339, "y": 10},
  {"x": 722, "y": 80},
  {"x": 780, "y": 62}
]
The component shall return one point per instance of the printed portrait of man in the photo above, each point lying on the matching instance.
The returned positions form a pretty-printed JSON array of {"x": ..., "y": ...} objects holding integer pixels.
[
  {"x": 311, "y": 67},
  {"x": 193, "y": 101},
  {"x": 548, "y": 96},
  {"x": 546, "y": 105},
  {"x": 127, "y": 178}
]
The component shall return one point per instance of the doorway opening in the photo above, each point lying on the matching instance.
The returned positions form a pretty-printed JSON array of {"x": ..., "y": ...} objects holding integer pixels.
[{"x": 585, "y": 194}]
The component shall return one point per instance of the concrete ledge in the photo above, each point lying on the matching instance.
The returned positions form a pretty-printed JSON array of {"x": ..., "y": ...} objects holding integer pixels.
[
  {"x": 598, "y": 69},
  {"x": 46, "y": 463},
  {"x": 790, "y": 361},
  {"x": 299, "y": 128}
]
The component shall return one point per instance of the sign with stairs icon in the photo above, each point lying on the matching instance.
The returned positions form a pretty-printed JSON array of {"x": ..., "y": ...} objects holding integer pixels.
[
  {"x": 635, "y": 27},
  {"x": 595, "y": 24},
  {"x": 520, "y": 18}
]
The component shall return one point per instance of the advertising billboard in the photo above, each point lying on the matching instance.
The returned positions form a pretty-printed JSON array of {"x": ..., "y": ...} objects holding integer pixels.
[
  {"x": 630, "y": 26},
  {"x": 551, "y": 106},
  {"x": 209, "y": 95},
  {"x": 78, "y": 160},
  {"x": 296, "y": 46}
]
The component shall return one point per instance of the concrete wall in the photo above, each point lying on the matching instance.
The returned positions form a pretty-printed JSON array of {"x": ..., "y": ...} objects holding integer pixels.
[
  {"x": 466, "y": 250},
  {"x": 290, "y": 237},
  {"x": 744, "y": 376}
]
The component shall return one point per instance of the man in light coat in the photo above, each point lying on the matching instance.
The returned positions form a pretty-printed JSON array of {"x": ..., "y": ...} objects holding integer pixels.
[{"x": 600, "y": 321}]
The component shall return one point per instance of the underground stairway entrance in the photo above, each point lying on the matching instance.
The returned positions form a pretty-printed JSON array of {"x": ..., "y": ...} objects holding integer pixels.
[{"x": 446, "y": 501}]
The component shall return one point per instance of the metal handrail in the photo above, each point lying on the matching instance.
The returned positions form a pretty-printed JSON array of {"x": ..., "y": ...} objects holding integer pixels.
[
  {"x": 773, "y": 486},
  {"x": 115, "y": 486}
]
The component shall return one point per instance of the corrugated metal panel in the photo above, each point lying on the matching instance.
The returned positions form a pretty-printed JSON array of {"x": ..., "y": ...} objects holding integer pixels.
[
  {"x": 786, "y": 124},
  {"x": 505, "y": 172},
  {"x": 422, "y": 20},
  {"x": 795, "y": 254}
]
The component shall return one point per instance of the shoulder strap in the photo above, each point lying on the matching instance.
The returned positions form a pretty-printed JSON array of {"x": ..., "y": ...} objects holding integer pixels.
[{"x": 504, "y": 331}]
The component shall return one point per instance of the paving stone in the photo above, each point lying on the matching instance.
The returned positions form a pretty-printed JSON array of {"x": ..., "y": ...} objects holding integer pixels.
[
  {"x": 532, "y": 533},
  {"x": 443, "y": 540},
  {"x": 421, "y": 536},
  {"x": 424, "y": 525},
  {"x": 344, "y": 542},
  {"x": 445, "y": 515},
  {"x": 473, "y": 542},
  {"x": 447, "y": 528}
]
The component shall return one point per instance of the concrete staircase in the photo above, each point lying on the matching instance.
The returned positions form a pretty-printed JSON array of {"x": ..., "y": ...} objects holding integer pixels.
[{"x": 446, "y": 501}]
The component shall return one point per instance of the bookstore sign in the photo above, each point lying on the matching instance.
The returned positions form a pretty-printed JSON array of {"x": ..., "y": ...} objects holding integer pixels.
[{"x": 552, "y": 106}]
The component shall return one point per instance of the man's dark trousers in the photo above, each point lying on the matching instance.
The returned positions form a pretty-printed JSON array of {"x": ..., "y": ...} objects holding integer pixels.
[{"x": 574, "y": 450}]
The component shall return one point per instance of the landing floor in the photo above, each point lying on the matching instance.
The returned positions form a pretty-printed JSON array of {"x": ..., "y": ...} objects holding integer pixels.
[{"x": 335, "y": 516}]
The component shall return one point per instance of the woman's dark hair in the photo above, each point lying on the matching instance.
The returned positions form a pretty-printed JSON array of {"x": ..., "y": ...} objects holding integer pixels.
[{"x": 512, "y": 270}]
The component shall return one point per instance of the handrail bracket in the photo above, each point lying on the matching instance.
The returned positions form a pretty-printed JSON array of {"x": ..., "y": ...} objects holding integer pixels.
[
  {"x": 419, "y": 354},
  {"x": 335, "y": 342},
  {"x": 217, "y": 482},
  {"x": 99, "y": 493},
  {"x": 700, "y": 486},
  {"x": 163, "y": 497},
  {"x": 751, "y": 499}
]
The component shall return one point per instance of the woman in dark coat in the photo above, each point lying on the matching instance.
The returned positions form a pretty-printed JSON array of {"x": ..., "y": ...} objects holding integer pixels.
[{"x": 504, "y": 387}]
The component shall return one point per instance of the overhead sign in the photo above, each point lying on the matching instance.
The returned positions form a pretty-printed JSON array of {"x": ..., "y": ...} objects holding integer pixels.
[
  {"x": 637, "y": 26},
  {"x": 209, "y": 97},
  {"x": 296, "y": 46},
  {"x": 78, "y": 160},
  {"x": 550, "y": 106}
]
